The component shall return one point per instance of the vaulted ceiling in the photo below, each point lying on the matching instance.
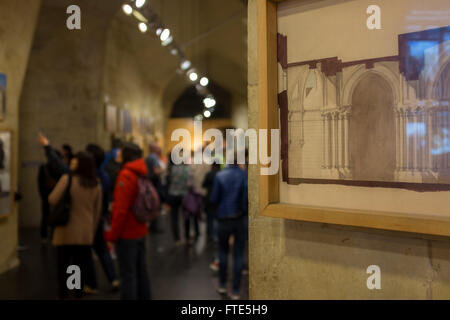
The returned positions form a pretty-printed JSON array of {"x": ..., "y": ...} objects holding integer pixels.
[{"x": 212, "y": 34}]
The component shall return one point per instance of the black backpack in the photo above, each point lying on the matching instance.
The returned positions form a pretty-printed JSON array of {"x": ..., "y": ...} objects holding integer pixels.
[{"x": 60, "y": 214}]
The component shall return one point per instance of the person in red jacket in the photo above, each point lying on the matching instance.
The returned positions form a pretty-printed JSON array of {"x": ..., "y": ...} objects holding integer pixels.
[{"x": 126, "y": 232}]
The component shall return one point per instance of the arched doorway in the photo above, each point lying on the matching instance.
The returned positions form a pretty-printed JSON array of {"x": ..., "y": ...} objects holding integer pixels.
[{"x": 372, "y": 130}]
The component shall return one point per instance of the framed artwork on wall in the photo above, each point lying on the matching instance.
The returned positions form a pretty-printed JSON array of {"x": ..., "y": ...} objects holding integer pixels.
[
  {"x": 2, "y": 96},
  {"x": 121, "y": 124},
  {"x": 6, "y": 194},
  {"x": 127, "y": 122},
  {"x": 111, "y": 118},
  {"x": 364, "y": 116}
]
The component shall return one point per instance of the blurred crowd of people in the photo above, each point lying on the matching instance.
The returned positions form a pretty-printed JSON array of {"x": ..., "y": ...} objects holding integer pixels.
[{"x": 104, "y": 188}]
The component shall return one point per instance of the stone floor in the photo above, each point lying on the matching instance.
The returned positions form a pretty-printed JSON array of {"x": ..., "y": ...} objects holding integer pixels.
[{"x": 176, "y": 273}]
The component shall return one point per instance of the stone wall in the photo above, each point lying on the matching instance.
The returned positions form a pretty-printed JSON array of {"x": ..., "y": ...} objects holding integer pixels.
[
  {"x": 299, "y": 260},
  {"x": 17, "y": 24},
  {"x": 62, "y": 93},
  {"x": 70, "y": 76}
]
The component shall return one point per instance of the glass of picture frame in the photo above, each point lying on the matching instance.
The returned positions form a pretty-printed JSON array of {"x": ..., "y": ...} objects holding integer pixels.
[{"x": 310, "y": 85}]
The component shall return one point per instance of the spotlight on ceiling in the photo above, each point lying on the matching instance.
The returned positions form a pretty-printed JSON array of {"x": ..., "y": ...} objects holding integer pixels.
[
  {"x": 127, "y": 9},
  {"x": 198, "y": 117},
  {"x": 193, "y": 76},
  {"x": 167, "y": 41},
  {"x": 174, "y": 52},
  {"x": 165, "y": 34},
  {"x": 186, "y": 64},
  {"x": 204, "y": 81},
  {"x": 207, "y": 113},
  {"x": 140, "y": 3},
  {"x": 209, "y": 102},
  {"x": 158, "y": 31},
  {"x": 143, "y": 27}
]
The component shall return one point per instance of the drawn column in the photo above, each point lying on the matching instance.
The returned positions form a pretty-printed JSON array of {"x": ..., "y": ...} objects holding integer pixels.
[
  {"x": 346, "y": 137},
  {"x": 402, "y": 138},
  {"x": 429, "y": 115},
  {"x": 415, "y": 148},
  {"x": 336, "y": 139},
  {"x": 408, "y": 139},
  {"x": 397, "y": 139},
  {"x": 324, "y": 141}
]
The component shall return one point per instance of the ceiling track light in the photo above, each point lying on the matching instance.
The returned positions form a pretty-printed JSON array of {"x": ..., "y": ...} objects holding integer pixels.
[
  {"x": 165, "y": 34},
  {"x": 127, "y": 9},
  {"x": 143, "y": 27},
  {"x": 193, "y": 76},
  {"x": 209, "y": 102},
  {"x": 207, "y": 113},
  {"x": 167, "y": 41},
  {"x": 186, "y": 64},
  {"x": 204, "y": 81},
  {"x": 140, "y": 3}
]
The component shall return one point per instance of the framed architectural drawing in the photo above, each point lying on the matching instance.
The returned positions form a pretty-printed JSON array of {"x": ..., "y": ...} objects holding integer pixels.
[
  {"x": 6, "y": 197},
  {"x": 2, "y": 96},
  {"x": 121, "y": 125},
  {"x": 127, "y": 122},
  {"x": 364, "y": 114},
  {"x": 111, "y": 118}
]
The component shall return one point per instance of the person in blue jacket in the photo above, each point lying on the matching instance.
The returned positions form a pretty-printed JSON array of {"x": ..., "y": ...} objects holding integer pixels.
[{"x": 228, "y": 193}]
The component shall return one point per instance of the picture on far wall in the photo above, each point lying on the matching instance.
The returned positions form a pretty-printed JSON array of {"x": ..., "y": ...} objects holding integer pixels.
[
  {"x": 127, "y": 124},
  {"x": 111, "y": 118},
  {"x": 2, "y": 96},
  {"x": 121, "y": 120},
  {"x": 5, "y": 173}
]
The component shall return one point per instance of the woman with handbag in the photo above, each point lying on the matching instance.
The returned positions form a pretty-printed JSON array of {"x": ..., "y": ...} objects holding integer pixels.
[{"x": 82, "y": 196}]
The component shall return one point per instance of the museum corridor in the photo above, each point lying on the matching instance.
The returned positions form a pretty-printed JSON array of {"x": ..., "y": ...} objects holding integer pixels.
[{"x": 224, "y": 150}]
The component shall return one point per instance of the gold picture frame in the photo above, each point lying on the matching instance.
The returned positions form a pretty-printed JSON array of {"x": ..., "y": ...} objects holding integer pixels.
[{"x": 269, "y": 194}]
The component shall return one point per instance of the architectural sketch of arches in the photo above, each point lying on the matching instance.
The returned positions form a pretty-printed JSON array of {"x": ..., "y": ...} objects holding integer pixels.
[
  {"x": 441, "y": 85},
  {"x": 297, "y": 77},
  {"x": 379, "y": 69},
  {"x": 437, "y": 58},
  {"x": 372, "y": 129}
]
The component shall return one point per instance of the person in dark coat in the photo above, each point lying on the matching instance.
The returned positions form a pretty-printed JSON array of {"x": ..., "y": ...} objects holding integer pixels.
[
  {"x": 99, "y": 245},
  {"x": 48, "y": 176}
]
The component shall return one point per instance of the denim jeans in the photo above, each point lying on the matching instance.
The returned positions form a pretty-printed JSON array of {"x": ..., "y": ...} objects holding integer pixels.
[
  {"x": 210, "y": 210},
  {"x": 227, "y": 228},
  {"x": 131, "y": 255},
  {"x": 104, "y": 256}
]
